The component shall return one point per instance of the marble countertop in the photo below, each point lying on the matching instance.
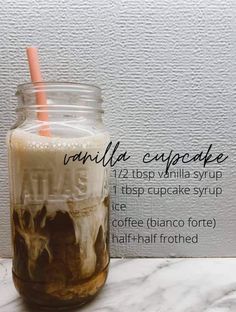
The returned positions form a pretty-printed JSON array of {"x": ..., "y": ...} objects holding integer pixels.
[{"x": 150, "y": 285}]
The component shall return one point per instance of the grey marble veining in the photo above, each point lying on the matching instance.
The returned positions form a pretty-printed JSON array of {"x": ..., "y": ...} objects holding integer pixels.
[{"x": 150, "y": 285}]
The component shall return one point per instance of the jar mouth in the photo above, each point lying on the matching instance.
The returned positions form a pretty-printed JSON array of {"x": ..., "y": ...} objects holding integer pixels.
[
  {"x": 86, "y": 90},
  {"x": 59, "y": 95}
]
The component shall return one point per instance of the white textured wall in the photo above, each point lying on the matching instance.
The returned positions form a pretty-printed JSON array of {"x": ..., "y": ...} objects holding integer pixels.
[{"x": 167, "y": 69}]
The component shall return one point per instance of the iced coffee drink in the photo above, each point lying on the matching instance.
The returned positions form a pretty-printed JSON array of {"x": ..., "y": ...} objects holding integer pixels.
[{"x": 59, "y": 213}]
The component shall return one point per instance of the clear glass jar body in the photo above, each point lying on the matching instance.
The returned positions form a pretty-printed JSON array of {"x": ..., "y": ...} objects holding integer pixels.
[{"x": 59, "y": 213}]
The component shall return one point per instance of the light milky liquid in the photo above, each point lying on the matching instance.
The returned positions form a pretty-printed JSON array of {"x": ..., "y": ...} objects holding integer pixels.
[{"x": 59, "y": 217}]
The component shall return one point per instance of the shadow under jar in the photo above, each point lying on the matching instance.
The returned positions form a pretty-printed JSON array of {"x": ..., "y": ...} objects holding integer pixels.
[{"x": 59, "y": 213}]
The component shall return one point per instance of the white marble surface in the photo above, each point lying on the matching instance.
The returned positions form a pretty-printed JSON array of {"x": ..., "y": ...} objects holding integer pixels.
[{"x": 150, "y": 285}]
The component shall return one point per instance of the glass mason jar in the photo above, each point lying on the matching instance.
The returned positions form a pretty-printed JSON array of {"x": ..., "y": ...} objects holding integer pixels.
[{"x": 59, "y": 209}]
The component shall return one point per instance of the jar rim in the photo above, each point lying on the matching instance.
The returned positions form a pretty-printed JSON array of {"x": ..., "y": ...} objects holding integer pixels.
[
  {"x": 64, "y": 86},
  {"x": 85, "y": 97}
]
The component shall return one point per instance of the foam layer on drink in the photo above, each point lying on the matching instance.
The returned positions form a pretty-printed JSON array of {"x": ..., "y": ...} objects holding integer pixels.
[{"x": 45, "y": 190}]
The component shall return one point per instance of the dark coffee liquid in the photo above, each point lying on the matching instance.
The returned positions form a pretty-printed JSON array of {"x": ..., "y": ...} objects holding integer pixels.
[{"x": 48, "y": 262}]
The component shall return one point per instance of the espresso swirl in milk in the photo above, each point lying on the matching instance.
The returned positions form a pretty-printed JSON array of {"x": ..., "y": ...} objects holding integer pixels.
[{"x": 60, "y": 216}]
